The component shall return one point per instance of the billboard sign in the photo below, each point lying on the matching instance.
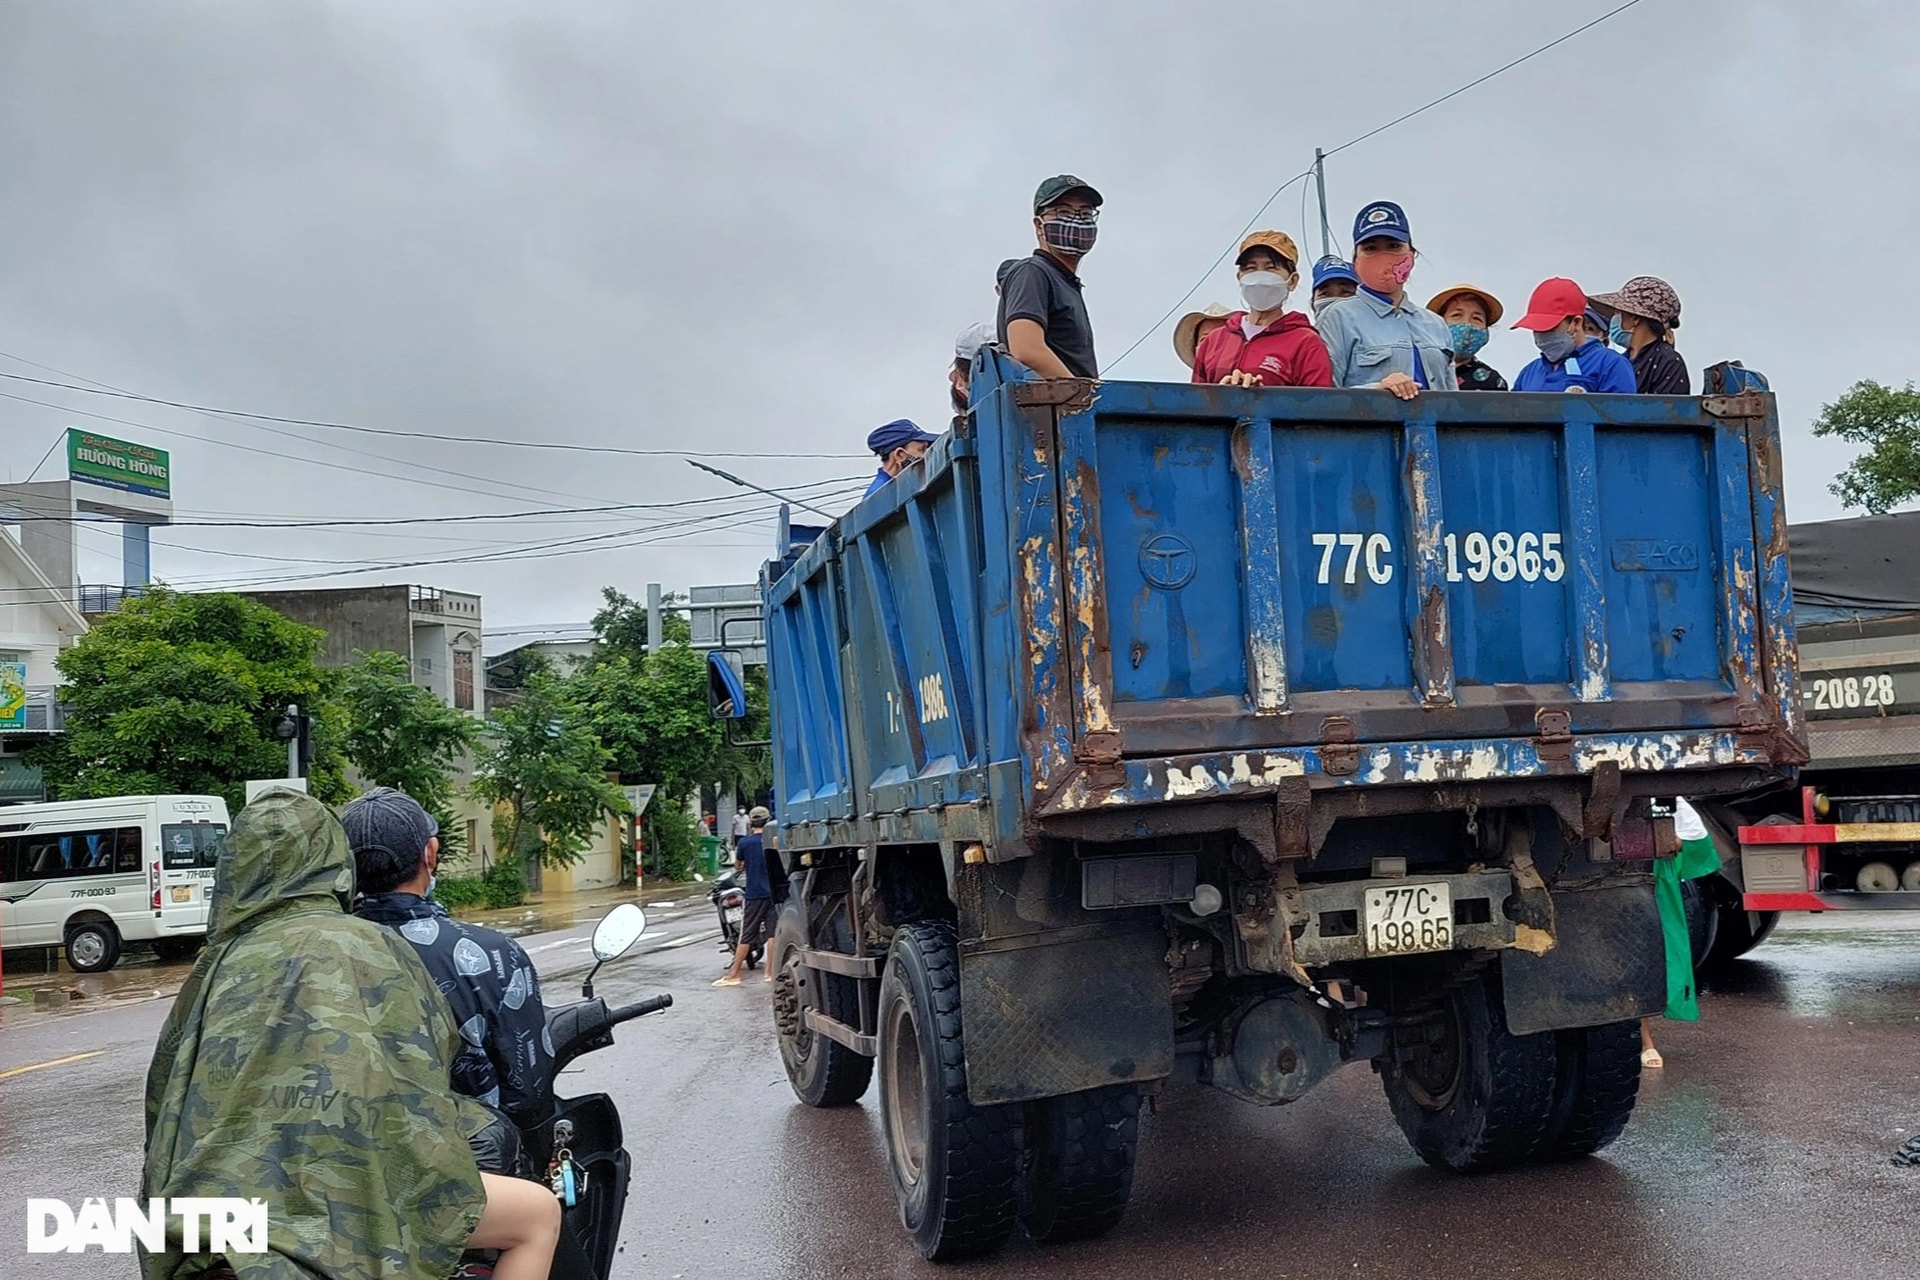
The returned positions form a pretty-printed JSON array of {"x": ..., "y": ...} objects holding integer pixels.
[
  {"x": 13, "y": 695},
  {"x": 118, "y": 464}
]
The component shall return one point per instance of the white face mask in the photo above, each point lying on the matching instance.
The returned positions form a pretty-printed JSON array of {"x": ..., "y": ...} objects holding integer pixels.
[{"x": 1264, "y": 290}]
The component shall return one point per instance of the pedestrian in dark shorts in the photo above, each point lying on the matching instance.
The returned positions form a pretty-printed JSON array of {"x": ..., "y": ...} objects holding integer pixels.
[{"x": 756, "y": 927}]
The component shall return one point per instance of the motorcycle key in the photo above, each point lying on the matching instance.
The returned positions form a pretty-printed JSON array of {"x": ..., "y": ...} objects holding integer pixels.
[{"x": 565, "y": 1178}]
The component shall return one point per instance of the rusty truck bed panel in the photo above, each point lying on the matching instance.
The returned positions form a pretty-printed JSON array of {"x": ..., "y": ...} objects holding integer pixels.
[{"x": 1097, "y": 597}]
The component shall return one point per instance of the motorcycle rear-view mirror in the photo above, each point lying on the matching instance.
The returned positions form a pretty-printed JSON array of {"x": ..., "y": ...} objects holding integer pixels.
[{"x": 618, "y": 930}]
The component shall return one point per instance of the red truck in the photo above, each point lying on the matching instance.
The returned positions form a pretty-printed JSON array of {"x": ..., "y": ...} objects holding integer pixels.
[{"x": 1847, "y": 837}]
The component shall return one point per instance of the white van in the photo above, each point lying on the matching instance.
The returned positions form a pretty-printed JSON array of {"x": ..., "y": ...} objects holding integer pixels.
[{"x": 94, "y": 876}]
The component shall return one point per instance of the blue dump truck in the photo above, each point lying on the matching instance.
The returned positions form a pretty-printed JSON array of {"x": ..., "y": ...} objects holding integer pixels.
[{"x": 1149, "y": 734}]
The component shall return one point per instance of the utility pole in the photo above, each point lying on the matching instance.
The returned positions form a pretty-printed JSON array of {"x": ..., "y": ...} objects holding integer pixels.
[
  {"x": 1320, "y": 180},
  {"x": 655, "y": 636}
]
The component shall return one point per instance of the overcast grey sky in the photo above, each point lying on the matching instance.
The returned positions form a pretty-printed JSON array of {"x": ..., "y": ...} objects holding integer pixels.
[{"x": 756, "y": 227}]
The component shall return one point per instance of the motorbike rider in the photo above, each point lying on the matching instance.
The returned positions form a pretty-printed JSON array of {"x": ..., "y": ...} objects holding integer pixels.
[
  {"x": 506, "y": 1058},
  {"x": 308, "y": 1056},
  {"x": 756, "y": 927}
]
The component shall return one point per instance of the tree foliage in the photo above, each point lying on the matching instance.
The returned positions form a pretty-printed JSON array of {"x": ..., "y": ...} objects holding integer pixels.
[
  {"x": 621, "y": 624},
  {"x": 180, "y": 694},
  {"x": 543, "y": 760},
  {"x": 398, "y": 734},
  {"x": 1887, "y": 422}
]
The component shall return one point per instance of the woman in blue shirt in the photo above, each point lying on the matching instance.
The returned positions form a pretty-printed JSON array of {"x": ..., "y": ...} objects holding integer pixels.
[
  {"x": 1378, "y": 337},
  {"x": 1570, "y": 359}
]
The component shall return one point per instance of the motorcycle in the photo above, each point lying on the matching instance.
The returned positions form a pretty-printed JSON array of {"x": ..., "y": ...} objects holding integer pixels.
[
  {"x": 578, "y": 1146},
  {"x": 730, "y": 900}
]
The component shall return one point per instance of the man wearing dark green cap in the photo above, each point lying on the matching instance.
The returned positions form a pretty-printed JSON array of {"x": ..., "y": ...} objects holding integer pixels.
[{"x": 1043, "y": 317}]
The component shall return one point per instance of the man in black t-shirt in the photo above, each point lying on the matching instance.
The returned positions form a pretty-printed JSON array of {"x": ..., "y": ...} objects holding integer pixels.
[{"x": 1043, "y": 319}]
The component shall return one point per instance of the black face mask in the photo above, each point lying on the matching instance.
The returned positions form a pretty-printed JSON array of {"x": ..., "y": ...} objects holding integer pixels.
[{"x": 959, "y": 399}]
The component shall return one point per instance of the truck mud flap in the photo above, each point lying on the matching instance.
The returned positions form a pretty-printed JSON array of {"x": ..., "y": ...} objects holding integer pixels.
[
  {"x": 1608, "y": 963},
  {"x": 1063, "y": 1011}
]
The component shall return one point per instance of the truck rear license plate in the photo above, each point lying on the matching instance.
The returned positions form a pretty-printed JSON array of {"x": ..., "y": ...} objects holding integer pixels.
[
  {"x": 181, "y": 892},
  {"x": 1409, "y": 918}
]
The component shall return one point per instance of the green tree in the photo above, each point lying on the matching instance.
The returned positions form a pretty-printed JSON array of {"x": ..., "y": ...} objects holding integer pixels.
[
  {"x": 180, "y": 694},
  {"x": 1887, "y": 422},
  {"x": 397, "y": 734},
  {"x": 542, "y": 759},
  {"x": 621, "y": 624}
]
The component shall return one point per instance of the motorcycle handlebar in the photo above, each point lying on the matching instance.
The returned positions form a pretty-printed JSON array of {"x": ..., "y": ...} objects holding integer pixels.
[{"x": 653, "y": 1004}]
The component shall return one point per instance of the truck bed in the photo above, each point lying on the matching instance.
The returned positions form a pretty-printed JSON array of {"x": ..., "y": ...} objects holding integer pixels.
[{"x": 1109, "y": 609}]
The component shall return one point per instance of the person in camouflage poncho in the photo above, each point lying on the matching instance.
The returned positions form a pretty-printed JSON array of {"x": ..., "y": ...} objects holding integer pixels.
[{"x": 306, "y": 1063}]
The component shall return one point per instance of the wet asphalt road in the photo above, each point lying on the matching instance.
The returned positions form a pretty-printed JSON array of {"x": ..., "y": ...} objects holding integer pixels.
[{"x": 1761, "y": 1149}]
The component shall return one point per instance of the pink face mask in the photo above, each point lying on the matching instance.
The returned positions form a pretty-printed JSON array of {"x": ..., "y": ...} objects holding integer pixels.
[{"x": 1384, "y": 273}]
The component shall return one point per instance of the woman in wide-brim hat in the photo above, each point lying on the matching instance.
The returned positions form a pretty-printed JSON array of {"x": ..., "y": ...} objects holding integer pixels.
[
  {"x": 1643, "y": 313},
  {"x": 1470, "y": 313},
  {"x": 1194, "y": 326}
]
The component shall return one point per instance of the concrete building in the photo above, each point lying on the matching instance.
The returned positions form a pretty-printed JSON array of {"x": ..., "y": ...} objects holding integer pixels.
[
  {"x": 437, "y": 632},
  {"x": 37, "y": 621}
]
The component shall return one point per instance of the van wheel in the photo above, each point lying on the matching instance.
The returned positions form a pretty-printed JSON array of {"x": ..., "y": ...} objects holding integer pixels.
[
  {"x": 1470, "y": 1095},
  {"x": 1080, "y": 1149},
  {"x": 174, "y": 950},
  {"x": 823, "y": 1072},
  {"x": 93, "y": 946},
  {"x": 954, "y": 1164}
]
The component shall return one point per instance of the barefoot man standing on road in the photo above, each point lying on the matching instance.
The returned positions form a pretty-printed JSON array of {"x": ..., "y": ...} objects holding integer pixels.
[{"x": 756, "y": 928}]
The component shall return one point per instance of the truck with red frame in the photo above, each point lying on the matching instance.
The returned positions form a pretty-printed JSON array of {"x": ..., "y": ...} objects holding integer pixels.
[{"x": 1846, "y": 837}]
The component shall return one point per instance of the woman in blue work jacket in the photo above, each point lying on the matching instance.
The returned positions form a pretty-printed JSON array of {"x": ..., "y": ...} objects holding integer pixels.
[{"x": 1380, "y": 337}]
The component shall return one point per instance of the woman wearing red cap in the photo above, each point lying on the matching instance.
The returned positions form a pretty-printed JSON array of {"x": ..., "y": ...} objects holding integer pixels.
[
  {"x": 1266, "y": 345},
  {"x": 1570, "y": 359}
]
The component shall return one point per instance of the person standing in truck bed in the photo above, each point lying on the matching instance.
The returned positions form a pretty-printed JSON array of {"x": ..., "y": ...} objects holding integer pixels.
[
  {"x": 1043, "y": 320},
  {"x": 1266, "y": 345},
  {"x": 1644, "y": 313}
]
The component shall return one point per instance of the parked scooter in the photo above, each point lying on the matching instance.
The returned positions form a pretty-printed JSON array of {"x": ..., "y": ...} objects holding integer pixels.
[
  {"x": 578, "y": 1147},
  {"x": 730, "y": 900}
]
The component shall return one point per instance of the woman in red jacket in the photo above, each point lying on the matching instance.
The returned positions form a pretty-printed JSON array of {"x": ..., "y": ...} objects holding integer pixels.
[{"x": 1266, "y": 345}]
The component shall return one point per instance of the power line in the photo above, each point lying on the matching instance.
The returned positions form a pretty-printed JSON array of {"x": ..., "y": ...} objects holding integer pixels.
[
  {"x": 481, "y": 517},
  {"x": 405, "y": 435},
  {"x": 287, "y": 435},
  {"x": 1474, "y": 84},
  {"x": 1356, "y": 141}
]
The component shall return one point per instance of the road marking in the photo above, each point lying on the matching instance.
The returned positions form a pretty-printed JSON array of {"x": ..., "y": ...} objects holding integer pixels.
[
  {"x": 690, "y": 939},
  {"x": 57, "y": 1062}
]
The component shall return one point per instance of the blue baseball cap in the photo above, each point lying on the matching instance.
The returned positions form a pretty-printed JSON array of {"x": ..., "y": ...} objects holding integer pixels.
[
  {"x": 1332, "y": 268},
  {"x": 1597, "y": 320},
  {"x": 1381, "y": 218},
  {"x": 884, "y": 440}
]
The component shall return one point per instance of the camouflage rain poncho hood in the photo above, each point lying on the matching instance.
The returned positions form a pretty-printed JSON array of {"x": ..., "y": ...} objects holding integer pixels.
[{"x": 305, "y": 1063}]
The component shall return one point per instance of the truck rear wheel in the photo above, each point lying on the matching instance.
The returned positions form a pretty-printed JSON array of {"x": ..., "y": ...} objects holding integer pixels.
[
  {"x": 1080, "y": 1149},
  {"x": 823, "y": 1072},
  {"x": 1594, "y": 1090},
  {"x": 1738, "y": 932},
  {"x": 1470, "y": 1095},
  {"x": 954, "y": 1164}
]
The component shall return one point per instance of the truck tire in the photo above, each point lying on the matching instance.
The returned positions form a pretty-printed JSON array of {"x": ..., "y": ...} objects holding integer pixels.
[
  {"x": 823, "y": 1072},
  {"x": 1079, "y": 1153},
  {"x": 1739, "y": 932},
  {"x": 1594, "y": 1090},
  {"x": 1475, "y": 1097},
  {"x": 954, "y": 1165},
  {"x": 93, "y": 946}
]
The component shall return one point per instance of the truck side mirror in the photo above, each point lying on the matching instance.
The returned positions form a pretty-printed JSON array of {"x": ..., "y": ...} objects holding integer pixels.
[{"x": 726, "y": 685}]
